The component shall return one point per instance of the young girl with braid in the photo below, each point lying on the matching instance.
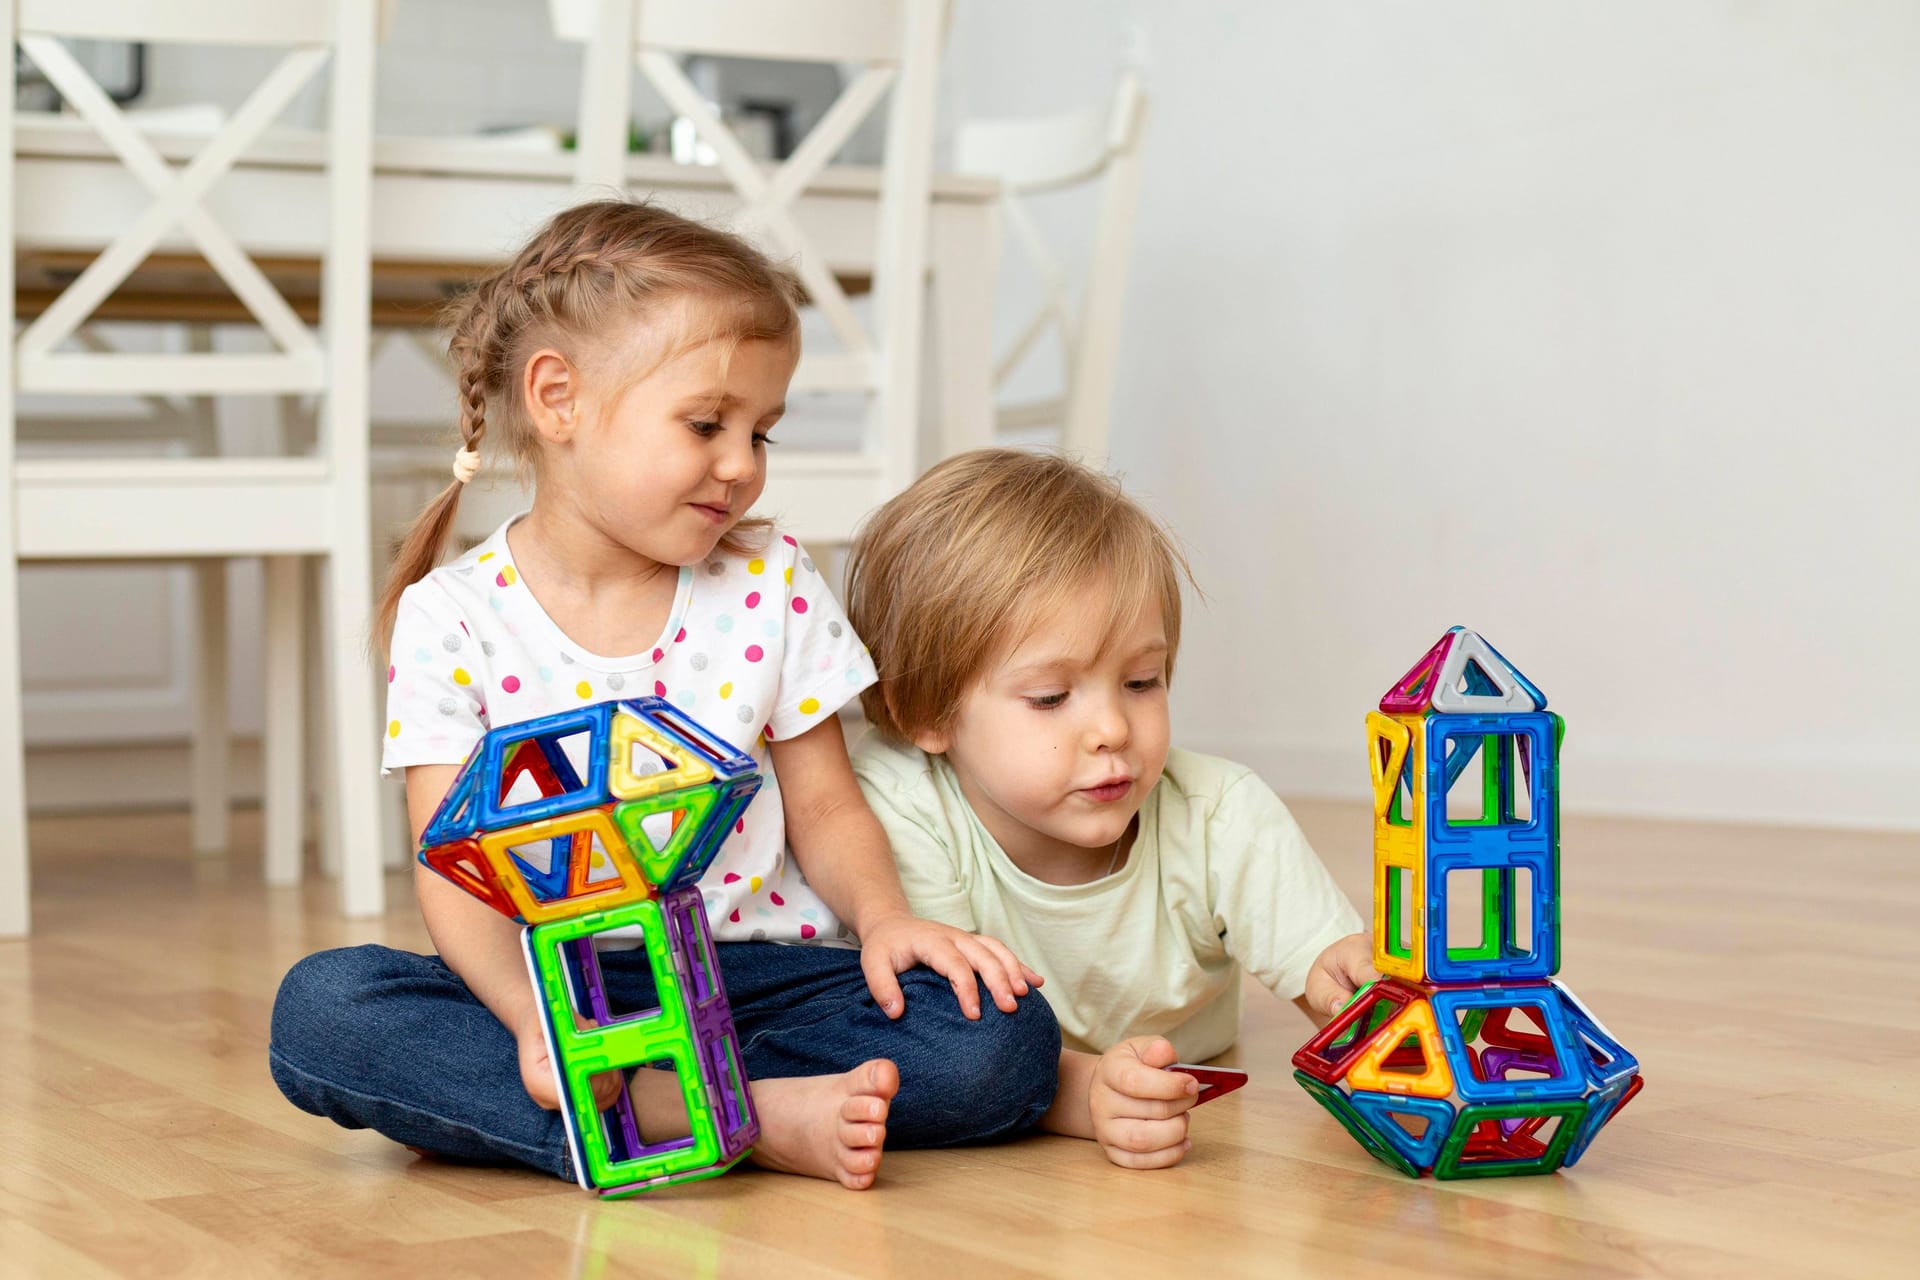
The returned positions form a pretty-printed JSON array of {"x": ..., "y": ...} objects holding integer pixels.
[{"x": 635, "y": 362}]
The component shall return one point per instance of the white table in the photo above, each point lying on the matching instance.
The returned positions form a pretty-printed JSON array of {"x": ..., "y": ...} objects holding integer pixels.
[{"x": 467, "y": 201}]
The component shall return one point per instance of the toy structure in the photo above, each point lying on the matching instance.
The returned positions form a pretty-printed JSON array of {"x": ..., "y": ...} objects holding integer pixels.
[
  {"x": 1467, "y": 1059},
  {"x": 587, "y": 821}
]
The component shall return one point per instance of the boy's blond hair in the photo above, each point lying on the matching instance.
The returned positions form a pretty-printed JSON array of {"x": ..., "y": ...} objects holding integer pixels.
[{"x": 957, "y": 569}]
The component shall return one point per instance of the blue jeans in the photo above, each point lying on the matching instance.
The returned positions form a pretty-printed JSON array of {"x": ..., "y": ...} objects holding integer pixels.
[{"x": 373, "y": 1038}]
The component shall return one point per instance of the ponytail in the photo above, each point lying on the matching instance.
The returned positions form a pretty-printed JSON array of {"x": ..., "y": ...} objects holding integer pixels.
[{"x": 426, "y": 537}]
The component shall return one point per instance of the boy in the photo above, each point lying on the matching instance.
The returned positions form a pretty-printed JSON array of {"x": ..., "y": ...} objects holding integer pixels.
[{"x": 1024, "y": 616}]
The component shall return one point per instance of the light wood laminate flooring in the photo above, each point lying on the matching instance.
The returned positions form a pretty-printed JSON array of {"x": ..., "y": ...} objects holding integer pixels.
[{"x": 1768, "y": 980}]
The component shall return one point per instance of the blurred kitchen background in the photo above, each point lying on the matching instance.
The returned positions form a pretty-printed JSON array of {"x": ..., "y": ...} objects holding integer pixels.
[{"x": 1588, "y": 326}]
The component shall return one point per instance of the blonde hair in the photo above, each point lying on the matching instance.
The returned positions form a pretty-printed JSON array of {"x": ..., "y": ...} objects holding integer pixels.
[
  {"x": 958, "y": 568},
  {"x": 586, "y": 276}
]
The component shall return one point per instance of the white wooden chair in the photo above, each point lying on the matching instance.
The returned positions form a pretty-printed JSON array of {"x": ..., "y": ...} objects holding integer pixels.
[
  {"x": 892, "y": 48},
  {"x": 170, "y": 423},
  {"x": 1049, "y": 154},
  {"x": 282, "y": 508}
]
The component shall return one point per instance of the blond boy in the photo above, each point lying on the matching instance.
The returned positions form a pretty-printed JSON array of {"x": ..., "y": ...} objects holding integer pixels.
[{"x": 1024, "y": 616}]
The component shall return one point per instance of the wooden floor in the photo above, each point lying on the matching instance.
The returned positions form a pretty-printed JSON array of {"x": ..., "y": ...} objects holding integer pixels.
[{"x": 1768, "y": 980}]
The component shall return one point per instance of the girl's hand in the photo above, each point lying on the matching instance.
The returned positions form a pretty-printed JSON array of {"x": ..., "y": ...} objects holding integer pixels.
[
  {"x": 1139, "y": 1108},
  {"x": 896, "y": 943},
  {"x": 1338, "y": 972},
  {"x": 536, "y": 1075}
]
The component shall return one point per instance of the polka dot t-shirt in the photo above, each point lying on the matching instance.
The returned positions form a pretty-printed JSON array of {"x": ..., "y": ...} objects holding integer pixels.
[{"x": 755, "y": 648}]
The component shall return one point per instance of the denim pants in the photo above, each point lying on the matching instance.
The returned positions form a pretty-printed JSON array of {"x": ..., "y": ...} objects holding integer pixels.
[{"x": 374, "y": 1038}]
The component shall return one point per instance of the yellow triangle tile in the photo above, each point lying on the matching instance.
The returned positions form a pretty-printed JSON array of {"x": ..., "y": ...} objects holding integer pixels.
[
  {"x": 1386, "y": 774},
  {"x": 688, "y": 768}
]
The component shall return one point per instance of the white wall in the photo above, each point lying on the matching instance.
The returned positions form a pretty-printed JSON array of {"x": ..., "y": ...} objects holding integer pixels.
[
  {"x": 1590, "y": 326},
  {"x": 445, "y": 67}
]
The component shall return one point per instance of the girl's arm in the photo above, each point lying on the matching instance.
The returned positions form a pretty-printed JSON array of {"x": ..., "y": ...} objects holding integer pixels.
[
  {"x": 843, "y": 852},
  {"x": 482, "y": 946}
]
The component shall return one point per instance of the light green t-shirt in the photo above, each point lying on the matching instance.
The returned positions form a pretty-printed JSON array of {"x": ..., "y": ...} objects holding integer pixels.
[{"x": 1220, "y": 879}]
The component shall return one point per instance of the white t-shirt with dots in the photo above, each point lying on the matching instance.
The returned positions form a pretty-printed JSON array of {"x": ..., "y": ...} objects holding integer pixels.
[{"x": 754, "y": 648}]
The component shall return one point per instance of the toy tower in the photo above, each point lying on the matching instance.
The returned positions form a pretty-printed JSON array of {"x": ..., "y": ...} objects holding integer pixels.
[
  {"x": 622, "y": 848},
  {"x": 1467, "y": 1059}
]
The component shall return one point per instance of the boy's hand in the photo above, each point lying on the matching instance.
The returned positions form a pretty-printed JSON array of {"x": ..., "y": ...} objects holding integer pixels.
[
  {"x": 1338, "y": 972},
  {"x": 536, "y": 1075},
  {"x": 1139, "y": 1108},
  {"x": 896, "y": 943}
]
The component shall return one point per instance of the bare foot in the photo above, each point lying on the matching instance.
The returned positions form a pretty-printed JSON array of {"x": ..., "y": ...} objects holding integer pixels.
[{"x": 826, "y": 1126}]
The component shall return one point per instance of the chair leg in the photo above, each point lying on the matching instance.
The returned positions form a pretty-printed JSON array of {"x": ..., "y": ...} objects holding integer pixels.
[
  {"x": 396, "y": 843},
  {"x": 396, "y": 828},
  {"x": 14, "y": 914},
  {"x": 963, "y": 298},
  {"x": 13, "y": 761},
  {"x": 212, "y": 754},
  {"x": 283, "y": 791},
  {"x": 319, "y": 724},
  {"x": 351, "y": 731}
]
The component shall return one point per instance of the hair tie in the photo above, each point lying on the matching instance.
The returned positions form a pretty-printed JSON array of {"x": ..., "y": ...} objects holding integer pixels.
[{"x": 466, "y": 465}]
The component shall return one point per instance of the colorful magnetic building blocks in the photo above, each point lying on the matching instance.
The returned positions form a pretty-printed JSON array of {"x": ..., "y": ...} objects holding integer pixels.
[
  {"x": 588, "y": 821},
  {"x": 1467, "y": 1060}
]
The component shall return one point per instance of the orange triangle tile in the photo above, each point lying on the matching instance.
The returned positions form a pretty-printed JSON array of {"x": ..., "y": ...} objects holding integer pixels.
[{"x": 1415, "y": 1021}]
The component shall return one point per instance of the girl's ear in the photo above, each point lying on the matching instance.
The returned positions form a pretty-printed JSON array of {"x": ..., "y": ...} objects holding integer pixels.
[{"x": 549, "y": 391}]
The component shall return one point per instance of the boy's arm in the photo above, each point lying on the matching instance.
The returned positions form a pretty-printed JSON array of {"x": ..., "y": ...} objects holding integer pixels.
[
  {"x": 843, "y": 851},
  {"x": 1071, "y": 1114},
  {"x": 1342, "y": 969},
  {"x": 1279, "y": 913},
  {"x": 1127, "y": 1101}
]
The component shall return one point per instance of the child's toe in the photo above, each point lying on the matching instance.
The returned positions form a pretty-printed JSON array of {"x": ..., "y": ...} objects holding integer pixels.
[
  {"x": 862, "y": 1136},
  {"x": 863, "y": 1107}
]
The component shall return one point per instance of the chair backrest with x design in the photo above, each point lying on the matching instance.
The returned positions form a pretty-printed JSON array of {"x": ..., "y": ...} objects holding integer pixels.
[
  {"x": 1047, "y": 154},
  {"x": 299, "y": 362},
  {"x": 893, "y": 46},
  {"x": 68, "y": 508}
]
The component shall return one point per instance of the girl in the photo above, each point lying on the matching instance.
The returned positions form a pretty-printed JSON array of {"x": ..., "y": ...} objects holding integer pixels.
[{"x": 636, "y": 362}]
